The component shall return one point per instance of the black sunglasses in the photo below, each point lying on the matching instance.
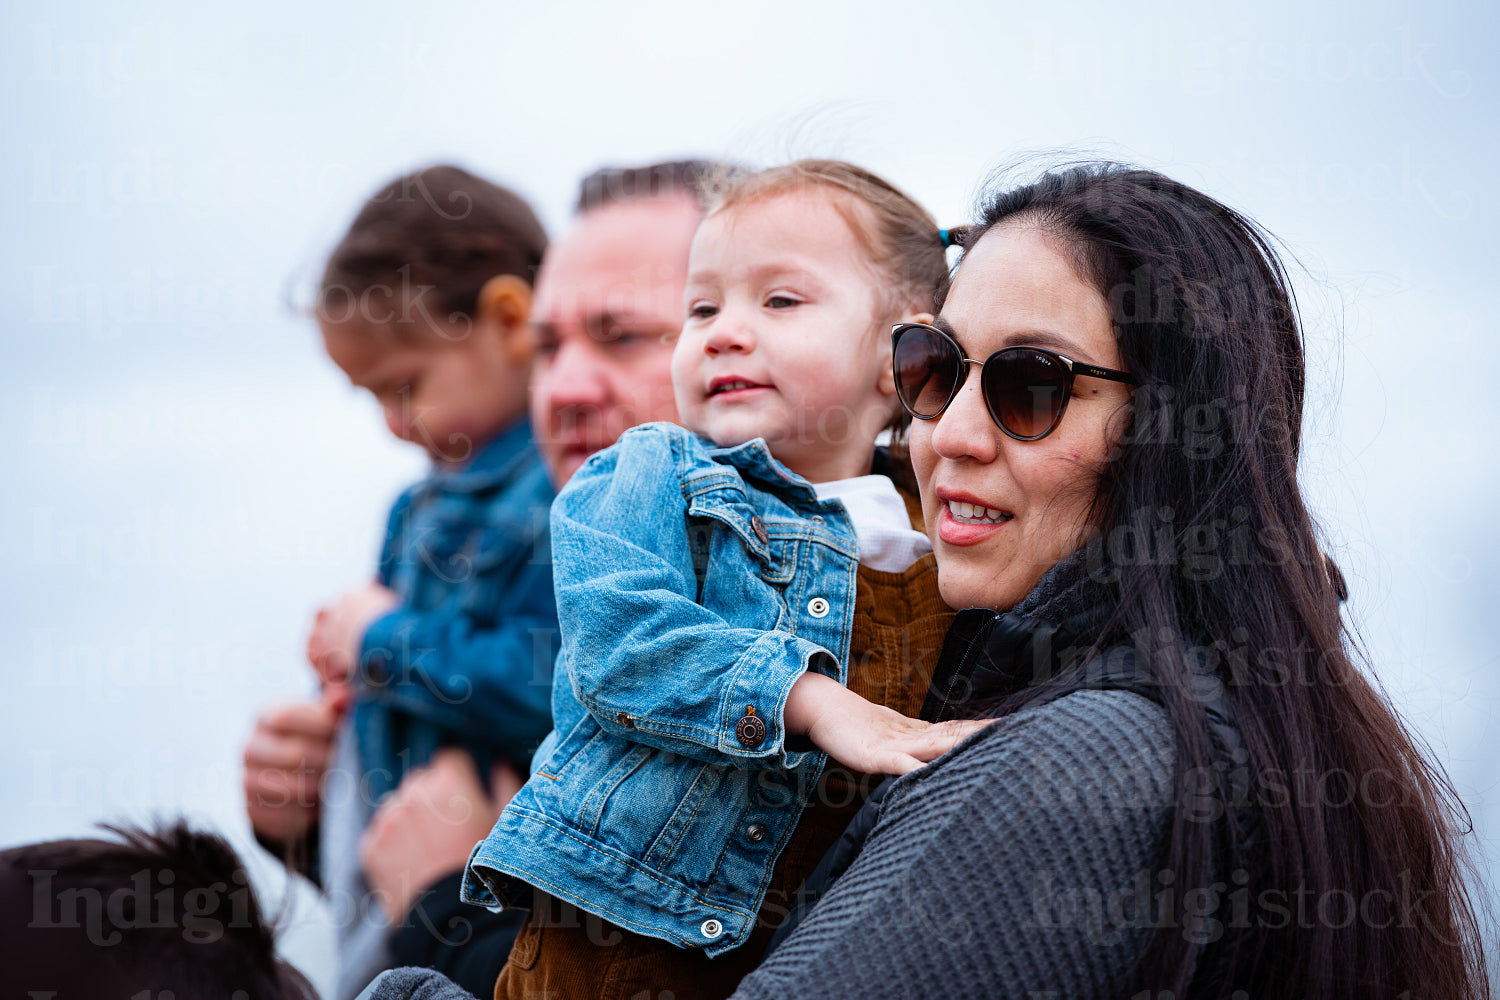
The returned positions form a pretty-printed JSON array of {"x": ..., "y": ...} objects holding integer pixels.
[{"x": 1026, "y": 389}]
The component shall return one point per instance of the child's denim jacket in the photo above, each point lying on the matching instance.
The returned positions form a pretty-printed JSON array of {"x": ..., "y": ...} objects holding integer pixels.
[
  {"x": 466, "y": 660},
  {"x": 695, "y": 584}
]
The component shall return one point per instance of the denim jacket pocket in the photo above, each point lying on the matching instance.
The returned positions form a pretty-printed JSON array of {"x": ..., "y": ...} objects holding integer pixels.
[
  {"x": 582, "y": 773},
  {"x": 643, "y": 801},
  {"x": 565, "y": 752},
  {"x": 672, "y": 813},
  {"x": 774, "y": 557}
]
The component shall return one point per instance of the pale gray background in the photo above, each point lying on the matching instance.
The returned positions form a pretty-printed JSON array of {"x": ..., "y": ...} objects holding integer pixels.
[{"x": 185, "y": 477}]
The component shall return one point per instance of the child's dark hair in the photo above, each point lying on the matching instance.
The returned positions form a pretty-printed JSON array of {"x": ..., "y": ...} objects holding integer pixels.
[
  {"x": 436, "y": 235},
  {"x": 169, "y": 911}
]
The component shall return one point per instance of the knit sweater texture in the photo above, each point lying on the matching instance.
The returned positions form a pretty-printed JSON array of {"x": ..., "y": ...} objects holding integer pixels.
[{"x": 1021, "y": 864}]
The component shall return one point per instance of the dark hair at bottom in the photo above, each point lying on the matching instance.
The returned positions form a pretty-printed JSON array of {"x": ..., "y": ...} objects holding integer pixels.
[
  {"x": 1207, "y": 322},
  {"x": 168, "y": 911}
]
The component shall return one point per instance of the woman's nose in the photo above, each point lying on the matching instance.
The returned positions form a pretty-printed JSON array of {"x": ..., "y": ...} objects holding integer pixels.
[{"x": 965, "y": 429}]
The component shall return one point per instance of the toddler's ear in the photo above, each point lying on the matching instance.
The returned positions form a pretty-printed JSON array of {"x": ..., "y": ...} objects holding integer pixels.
[{"x": 504, "y": 307}]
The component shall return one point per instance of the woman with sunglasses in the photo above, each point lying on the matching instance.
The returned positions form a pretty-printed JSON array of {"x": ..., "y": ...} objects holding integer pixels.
[{"x": 1190, "y": 789}]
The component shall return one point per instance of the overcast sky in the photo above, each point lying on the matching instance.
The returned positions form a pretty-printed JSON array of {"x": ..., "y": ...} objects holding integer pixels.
[{"x": 186, "y": 477}]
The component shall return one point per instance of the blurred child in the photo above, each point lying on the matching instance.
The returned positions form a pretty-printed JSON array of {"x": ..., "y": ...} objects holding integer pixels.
[
  {"x": 426, "y": 303},
  {"x": 718, "y": 588}
]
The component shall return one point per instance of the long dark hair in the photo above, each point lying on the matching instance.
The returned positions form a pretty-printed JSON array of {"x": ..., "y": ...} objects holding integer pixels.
[{"x": 1354, "y": 886}]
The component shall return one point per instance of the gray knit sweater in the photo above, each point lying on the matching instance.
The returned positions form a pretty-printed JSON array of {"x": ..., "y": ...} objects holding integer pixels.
[{"x": 1021, "y": 864}]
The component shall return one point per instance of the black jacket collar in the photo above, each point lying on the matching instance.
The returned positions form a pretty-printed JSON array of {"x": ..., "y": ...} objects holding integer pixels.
[{"x": 987, "y": 654}]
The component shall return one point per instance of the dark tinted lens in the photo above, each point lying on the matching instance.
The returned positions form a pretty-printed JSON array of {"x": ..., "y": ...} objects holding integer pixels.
[
  {"x": 927, "y": 366},
  {"x": 1025, "y": 390}
]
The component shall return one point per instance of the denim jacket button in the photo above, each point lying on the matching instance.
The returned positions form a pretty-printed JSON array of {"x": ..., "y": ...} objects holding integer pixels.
[
  {"x": 759, "y": 527},
  {"x": 817, "y": 607},
  {"x": 750, "y": 730},
  {"x": 817, "y": 519},
  {"x": 711, "y": 928},
  {"x": 755, "y": 832},
  {"x": 625, "y": 720}
]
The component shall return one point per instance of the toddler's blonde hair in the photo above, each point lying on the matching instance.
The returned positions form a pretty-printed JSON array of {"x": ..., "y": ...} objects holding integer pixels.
[{"x": 899, "y": 236}]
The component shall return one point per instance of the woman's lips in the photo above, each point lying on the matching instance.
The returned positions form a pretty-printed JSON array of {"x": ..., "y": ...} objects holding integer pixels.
[{"x": 962, "y": 522}]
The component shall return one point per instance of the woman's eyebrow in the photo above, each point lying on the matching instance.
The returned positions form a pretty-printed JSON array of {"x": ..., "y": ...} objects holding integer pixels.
[
  {"x": 1041, "y": 338},
  {"x": 1031, "y": 338}
]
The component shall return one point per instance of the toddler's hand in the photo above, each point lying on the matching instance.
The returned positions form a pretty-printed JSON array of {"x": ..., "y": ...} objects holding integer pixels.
[
  {"x": 864, "y": 736},
  {"x": 331, "y": 664},
  {"x": 337, "y": 632}
]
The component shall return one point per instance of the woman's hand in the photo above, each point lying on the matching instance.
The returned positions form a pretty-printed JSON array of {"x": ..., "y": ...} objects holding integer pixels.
[{"x": 864, "y": 736}]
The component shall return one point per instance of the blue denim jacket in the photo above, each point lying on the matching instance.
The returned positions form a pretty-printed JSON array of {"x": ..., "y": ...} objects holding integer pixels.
[
  {"x": 466, "y": 660},
  {"x": 694, "y": 584}
]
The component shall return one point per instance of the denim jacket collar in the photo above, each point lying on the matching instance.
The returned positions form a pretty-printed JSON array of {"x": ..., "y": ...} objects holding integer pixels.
[
  {"x": 492, "y": 464},
  {"x": 753, "y": 459}
]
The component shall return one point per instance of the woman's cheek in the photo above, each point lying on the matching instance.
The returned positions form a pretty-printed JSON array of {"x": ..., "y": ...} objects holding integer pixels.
[{"x": 1068, "y": 526}]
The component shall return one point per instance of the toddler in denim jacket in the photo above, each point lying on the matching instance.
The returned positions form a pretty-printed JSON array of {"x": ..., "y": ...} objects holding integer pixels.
[
  {"x": 426, "y": 304},
  {"x": 706, "y": 581}
]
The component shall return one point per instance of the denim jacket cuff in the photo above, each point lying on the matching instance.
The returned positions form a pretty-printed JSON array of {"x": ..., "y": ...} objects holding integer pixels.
[
  {"x": 475, "y": 890},
  {"x": 377, "y": 649},
  {"x": 760, "y": 689}
]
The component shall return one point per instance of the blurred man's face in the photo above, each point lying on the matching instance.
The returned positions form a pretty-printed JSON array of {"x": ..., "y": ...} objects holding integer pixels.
[{"x": 608, "y": 311}]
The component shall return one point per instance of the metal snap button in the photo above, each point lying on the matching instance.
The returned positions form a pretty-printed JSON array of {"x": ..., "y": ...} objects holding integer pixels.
[
  {"x": 711, "y": 928},
  {"x": 755, "y": 832},
  {"x": 759, "y": 527},
  {"x": 817, "y": 607},
  {"x": 817, "y": 519},
  {"x": 625, "y": 720},
  {"x": 750, "y": 730}
]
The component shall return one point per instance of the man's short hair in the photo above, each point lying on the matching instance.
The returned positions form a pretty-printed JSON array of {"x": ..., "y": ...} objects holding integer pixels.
[{"x": 609, "y": 185}]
